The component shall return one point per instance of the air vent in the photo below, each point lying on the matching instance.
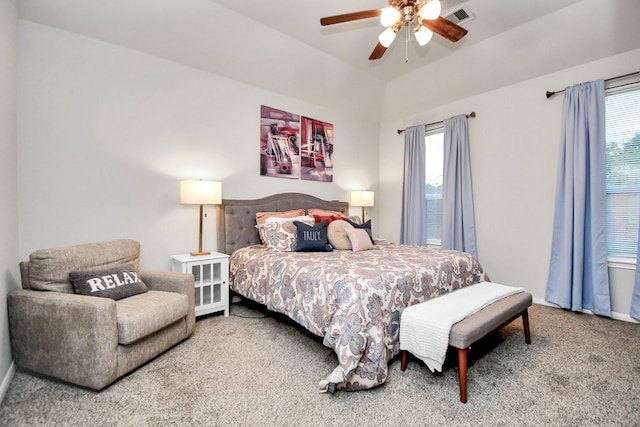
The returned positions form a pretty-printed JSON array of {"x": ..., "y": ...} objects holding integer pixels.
[{"x": 459, "y": 15}]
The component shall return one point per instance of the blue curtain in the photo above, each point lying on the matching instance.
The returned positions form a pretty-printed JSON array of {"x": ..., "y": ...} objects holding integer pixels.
[
  {"x": 413, "y": 226},
  {"x": 578, "y": 274},
  {"x": 635, "y": 299},
  {"x": 458, "y": 224}
]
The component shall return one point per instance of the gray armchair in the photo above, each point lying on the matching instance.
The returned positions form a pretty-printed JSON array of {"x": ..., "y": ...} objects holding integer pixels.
[{"x": 88, "y": 340}]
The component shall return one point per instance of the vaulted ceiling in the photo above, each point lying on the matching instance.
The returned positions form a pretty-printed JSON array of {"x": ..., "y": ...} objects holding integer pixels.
[
  {"x": 352, "y": 42},
  {"x": 280, "y": 44}
]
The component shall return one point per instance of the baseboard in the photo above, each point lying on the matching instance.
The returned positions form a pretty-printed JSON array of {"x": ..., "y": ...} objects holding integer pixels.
[
  {"x": 7, "y": 380},
  {"x": 614, "y": 315}
]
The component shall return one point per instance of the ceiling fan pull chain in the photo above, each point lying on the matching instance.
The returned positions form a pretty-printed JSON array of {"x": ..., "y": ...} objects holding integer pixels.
[{"x": 406, "y": 45}]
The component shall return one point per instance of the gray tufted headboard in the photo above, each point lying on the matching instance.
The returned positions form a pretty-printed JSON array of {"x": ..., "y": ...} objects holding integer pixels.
[{"x": 236, "y": 219}]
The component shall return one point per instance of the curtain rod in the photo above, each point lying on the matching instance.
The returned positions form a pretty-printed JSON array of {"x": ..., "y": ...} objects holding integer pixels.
[
  {"x": 471, "y": 114},
  {"x": 549, "y": 93}
]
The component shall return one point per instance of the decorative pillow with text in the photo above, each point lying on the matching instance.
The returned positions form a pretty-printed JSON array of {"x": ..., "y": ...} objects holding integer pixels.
[
  {"x": 115, "y": 283},
  {"x": 312, "y": 238}
]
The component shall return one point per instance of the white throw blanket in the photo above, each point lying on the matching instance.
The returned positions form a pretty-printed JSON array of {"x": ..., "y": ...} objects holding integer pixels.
[{"x": 425, "y": 327}]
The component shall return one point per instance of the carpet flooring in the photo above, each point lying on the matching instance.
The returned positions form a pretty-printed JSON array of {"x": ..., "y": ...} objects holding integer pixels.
[{"x": 255, "y": 369}]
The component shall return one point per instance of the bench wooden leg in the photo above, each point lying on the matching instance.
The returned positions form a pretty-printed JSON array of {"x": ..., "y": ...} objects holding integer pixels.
[
  {"x": 525, "y": 325},
  {"x": 403, "y": 360},
  {"x": 462, "y": 373}
]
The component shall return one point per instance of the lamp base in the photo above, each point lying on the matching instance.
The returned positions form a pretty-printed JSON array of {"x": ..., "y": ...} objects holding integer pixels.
[{"x": 200, "y": 253}]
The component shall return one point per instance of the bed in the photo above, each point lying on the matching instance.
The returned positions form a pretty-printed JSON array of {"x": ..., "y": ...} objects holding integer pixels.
[{"x": 352, "y": 300}]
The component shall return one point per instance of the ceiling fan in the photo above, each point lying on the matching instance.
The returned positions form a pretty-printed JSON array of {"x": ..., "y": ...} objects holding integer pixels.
[{"x": 421, "y": 16}]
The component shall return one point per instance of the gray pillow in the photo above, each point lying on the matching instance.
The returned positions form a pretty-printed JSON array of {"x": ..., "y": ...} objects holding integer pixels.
[{"x": 115, "y": 283}]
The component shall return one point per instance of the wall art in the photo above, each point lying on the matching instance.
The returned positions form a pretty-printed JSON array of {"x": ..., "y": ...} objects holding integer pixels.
[
  {"x": 279, "y": 143},
  {"x": 316, "y": 150}
]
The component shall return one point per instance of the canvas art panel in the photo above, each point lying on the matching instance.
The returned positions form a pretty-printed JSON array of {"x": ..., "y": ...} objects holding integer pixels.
[
  {"x": 316, "y": 150},
  {"x": 279, "y": 143}
]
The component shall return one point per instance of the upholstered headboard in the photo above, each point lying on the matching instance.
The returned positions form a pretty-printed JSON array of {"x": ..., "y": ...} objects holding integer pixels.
[{"x": 236, "y": 219}]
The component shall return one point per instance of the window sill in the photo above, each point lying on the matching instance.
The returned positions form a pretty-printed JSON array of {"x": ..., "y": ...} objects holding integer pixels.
[
  {"x": 433, "y": 243},
  {"x": 622, "y": 263}
]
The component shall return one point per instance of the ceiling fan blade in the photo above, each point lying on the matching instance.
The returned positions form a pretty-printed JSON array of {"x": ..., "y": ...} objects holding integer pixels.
[
  {"x": 378, "y": 51},
  {"x": 354, "y": 16},
  {"x": 445, "y": 28}
]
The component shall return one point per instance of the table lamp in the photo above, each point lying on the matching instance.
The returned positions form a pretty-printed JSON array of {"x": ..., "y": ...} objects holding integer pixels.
[
  {"x": 362, "y": 199},
  {"x": 193, "y": 192}
]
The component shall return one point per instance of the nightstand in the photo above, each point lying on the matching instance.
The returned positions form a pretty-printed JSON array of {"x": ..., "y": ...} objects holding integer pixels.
[{"x": 211, "y": 274}]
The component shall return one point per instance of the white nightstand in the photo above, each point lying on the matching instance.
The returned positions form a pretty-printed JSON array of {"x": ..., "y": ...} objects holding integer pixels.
[{"x": 211, "y": 274}]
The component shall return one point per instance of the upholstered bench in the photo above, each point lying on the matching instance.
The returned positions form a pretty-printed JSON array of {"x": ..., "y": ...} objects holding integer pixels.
[{"x": 479, "y": 324}]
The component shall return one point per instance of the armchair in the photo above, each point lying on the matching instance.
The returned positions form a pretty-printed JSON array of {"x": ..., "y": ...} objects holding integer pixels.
[{"x": 87, "y": 340}]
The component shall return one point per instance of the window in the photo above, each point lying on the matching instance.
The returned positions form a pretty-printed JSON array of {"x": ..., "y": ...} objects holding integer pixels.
[
  {"x": 622, "y": 123},
  {"x": 434, "y": 164}
]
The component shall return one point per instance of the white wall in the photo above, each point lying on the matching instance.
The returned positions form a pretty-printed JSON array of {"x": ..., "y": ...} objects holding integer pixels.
[
  {"x": 514, "y": 158},
  {"x": 8, "y": 177},
  {"x": 585, "y": 31},
  {"x": 106, "y": 133}
]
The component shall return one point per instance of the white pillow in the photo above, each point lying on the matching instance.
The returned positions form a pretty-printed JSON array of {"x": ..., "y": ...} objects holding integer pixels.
[{"x": 306, "y": 219}]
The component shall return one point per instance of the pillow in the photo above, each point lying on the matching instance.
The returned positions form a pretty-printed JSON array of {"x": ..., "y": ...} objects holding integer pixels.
[
  {"x": 360, "y": 240},
  {"x": 355, "y": 218},
  {"x": 323, "y": 212},
  {"x": 280, "y": 236},
  {"x": 262, "y": 216},
  {"x": 115, "y": 283},
  {"x": 312, "y": 238},
  {"x": 366, "y": 226},
  {"x": 337, "y": 235},
  {"x": 303, "y": 218},
  {"x": 319, "y": 218}
]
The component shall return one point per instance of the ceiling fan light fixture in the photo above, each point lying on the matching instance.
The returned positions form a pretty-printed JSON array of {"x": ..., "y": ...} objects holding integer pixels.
[
  {"x": 387, "y": 37},
  {"x": 430, "y": 10},
  {"x": 389, "y": 16},
  {"x": 423, "y": 35}
]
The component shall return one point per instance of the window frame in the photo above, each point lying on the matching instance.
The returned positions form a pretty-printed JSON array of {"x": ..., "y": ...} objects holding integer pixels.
[
  {"x": 613, "y": 261},
  {"x": 434, "y": 130}
]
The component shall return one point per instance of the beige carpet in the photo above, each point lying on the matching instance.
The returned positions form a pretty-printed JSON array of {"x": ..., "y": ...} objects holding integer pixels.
[{"x": 250, "y": 370}]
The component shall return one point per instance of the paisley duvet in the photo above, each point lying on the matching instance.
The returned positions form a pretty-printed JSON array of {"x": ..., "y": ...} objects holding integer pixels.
[{"x": 353, "y": 300}]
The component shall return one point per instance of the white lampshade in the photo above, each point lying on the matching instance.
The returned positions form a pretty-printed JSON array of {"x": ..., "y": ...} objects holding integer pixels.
[
  {"x": 387, "y": 37},
  {"x": 362, "y": 198},
  {"x": 423, "y": 35},
  {"x": 430, "y": 10},
  {"x": 390, "y": 15},
  {"x": 195, "y": 192}
]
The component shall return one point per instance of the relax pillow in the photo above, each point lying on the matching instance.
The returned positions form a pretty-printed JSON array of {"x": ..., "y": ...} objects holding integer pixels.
[
  {"x": 312, "y": 238},
  {"x": 115, "y": 283},
  {"x": 366, "y": 226},
  {"x": 337, "y": 235},
  {"x": 262, "y": 216},
  {"x": 360, "y": 240}
]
